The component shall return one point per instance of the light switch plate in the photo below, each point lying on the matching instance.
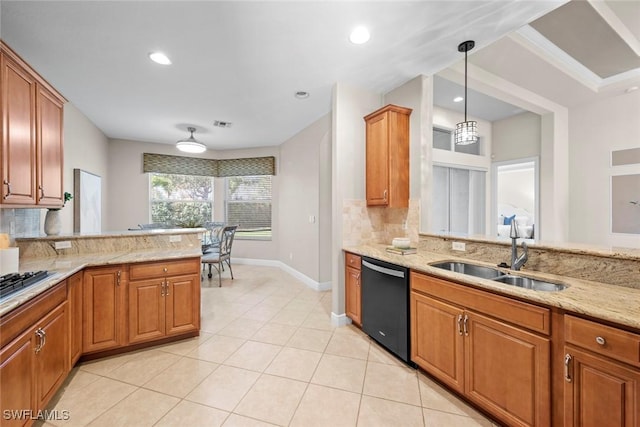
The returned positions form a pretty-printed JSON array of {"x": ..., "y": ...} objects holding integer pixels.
[{"x": 458, "y": 246}]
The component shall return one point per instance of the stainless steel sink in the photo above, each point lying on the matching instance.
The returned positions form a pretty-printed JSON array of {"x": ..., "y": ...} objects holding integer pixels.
[
  {"x": 529, "y": 283},
  {"x": 470, "y": 269}
]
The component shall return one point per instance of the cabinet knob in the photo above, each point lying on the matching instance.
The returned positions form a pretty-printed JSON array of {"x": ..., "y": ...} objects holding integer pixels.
[
  {"x": 165, "y": 269},
  {"x": 601, "y": 340}
]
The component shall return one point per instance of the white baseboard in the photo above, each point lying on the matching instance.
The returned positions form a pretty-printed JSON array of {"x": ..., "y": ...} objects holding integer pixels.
[
  {"x": 339, "y": 319},
  {"x": 318, "y": 286}
]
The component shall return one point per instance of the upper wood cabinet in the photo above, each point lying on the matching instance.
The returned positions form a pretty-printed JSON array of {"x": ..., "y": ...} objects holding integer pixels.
[
  {"x": 387, "y": 158},
  {"x": 32, "y": 135}
]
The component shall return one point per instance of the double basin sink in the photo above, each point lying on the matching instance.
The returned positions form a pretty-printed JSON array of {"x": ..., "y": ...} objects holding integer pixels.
[{"x": 498, "y": 276}]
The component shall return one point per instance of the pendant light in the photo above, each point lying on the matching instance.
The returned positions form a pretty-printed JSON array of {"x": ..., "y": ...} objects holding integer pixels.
[
  {"x": 190, "y": 145},
  {"x": 466, "y": 132}
]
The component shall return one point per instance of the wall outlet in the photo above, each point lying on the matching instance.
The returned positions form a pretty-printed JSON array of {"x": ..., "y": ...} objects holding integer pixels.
[
  {"x": 458, "y": 246},
  {"x": 312, "y": 219},
  {"x": 174, "y": 239},
  {"x": 65, "y": 244}
]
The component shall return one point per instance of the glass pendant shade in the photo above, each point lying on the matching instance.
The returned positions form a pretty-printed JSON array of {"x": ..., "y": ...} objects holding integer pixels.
[
  {"x": 466, "y": 133},
  {"x": 190, "y": 145}
]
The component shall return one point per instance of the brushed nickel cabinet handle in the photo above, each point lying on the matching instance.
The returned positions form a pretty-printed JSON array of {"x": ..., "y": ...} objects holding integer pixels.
[
  {"x": 118, "y": 275},
  {"x": 464, "y": 325},
  {"x": 460, "y": 324},
  {"x": 44, "y": 338},
  {"x": 41, "y": 188},
  {"x": 166, "y": 288},
  {"x": 601, "y": 340},
  {"x": 8, "y": 184},
  {"x": 384, "y": 194},
  {"x": 567, "y": 362},
  {"x": 162, "y": 289},
  {"x": 39, "y": 333}
]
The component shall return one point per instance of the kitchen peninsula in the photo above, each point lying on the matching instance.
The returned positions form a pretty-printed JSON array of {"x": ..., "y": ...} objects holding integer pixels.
[{"x": 106, "y": 293}]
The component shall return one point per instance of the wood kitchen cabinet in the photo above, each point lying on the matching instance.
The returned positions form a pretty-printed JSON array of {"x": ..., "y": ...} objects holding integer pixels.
[
  {"x": 601, "y": 375},
  {"x": 353, "y": 289},
  {"x": 469, "y": 340},
  {"x": 34, "y": 359},
  {"x": 74, "y": 298},
  {"x": 104, "y": 308},
  {"x": 164, "y": 299},
  {"x": 387, "y": 157},
  {"x": 32, "y": 135}
]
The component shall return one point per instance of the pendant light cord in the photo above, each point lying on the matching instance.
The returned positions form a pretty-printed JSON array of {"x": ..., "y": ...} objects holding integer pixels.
[{"x": 465, "y": 85}]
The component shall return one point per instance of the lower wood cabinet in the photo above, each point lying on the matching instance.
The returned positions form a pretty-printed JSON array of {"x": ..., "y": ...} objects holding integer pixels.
[
  {"x": 164, "y": 305},
  {"x": 104, "y": 304},
  {"x": 503, "y": 368},
  {"x": 353, "y": 288},
  {"x": 35, "y": 363},
  {"x": 74, "y": 299}
]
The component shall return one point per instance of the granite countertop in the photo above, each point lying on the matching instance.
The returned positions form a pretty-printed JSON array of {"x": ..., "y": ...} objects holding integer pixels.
[
  {"x": 62, "y": 267},
  {"x": 611, "y": 303},
  {"x": 112, "y": 234}
]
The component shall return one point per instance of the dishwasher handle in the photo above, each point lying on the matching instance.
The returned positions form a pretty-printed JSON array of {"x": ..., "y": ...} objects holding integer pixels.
[{"x": 383, "y": 270}]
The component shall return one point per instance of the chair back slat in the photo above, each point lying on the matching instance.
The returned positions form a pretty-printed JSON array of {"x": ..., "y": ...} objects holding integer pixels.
[{"x": 226, "y": 239}]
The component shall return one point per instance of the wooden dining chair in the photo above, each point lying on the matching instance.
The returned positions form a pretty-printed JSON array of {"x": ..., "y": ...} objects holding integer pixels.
[{"x": 217, "y": 258}]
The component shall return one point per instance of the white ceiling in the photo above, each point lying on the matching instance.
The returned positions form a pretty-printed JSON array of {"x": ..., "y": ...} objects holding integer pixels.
[{"x": 243, "y": 61}]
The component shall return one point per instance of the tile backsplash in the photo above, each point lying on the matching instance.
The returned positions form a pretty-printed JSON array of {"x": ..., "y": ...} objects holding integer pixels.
[
  {"x": 363, "y": 224},
  {"x": 20, "y": 222}
]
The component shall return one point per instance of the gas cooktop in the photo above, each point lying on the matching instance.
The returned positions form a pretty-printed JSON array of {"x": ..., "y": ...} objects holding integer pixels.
[{"x": 16, "y": 282}]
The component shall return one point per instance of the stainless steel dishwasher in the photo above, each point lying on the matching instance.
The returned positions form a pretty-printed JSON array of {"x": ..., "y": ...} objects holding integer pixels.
[{"x": 385, "y": 305}]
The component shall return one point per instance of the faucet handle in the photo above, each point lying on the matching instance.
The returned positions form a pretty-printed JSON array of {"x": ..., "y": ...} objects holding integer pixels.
[{"x": 513, "y": 233}]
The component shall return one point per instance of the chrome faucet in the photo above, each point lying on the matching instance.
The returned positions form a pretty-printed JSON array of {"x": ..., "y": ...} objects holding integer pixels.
[{"x": 517, "y": 261}]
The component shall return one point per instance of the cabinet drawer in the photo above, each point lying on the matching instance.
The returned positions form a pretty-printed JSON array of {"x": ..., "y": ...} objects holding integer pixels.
[
  {"x": 606, "y": 340},
  {"x": 164, "y": 268},
  {"x": 519, "y": 313},
  {"x": 353, "y": 261}
]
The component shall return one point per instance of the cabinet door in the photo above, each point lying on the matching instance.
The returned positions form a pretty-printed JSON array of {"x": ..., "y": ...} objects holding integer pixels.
[
  {"x": 146, "y": 310},
  {"x": 17, "y": 379},
  {"x": 377, "y": 161},
  {"x": 182, "y": 299},
  {"x": 601, "y": 392},
  {"x": 18, "y": 134},
  {"x": 53, "y": 358},
  {"x": 74, "y": 298},
  {"x": 508, "y": 371},
  {"x": 437, "y": 339},
  {"x": 50, "y": 148},
  {"x": 103, "y": 308},
  {"x": 353, "y": 295}
]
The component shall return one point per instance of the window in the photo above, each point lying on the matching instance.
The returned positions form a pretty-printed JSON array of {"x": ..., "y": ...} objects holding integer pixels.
[
  {"x": 181, "y": 200},
  {"x": 458, "y": 200},
  {"x": 443, "y": 140},
  {"x": 248, "y": 204}
]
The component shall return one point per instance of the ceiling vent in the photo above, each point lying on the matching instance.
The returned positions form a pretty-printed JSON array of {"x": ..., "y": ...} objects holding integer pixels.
[{"x": 221, "y": 124}]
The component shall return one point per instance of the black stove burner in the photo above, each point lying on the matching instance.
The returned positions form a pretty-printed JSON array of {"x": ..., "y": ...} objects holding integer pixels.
[{"x": 14, "y": 282}]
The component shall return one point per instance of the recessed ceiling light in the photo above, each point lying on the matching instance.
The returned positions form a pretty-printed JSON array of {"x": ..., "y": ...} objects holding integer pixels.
[
  {"x": 301, "y": 94},
  {"x": 160, "y": 58},
  {"x": 359, "y": 35},
  {"x": 458, "y": 99}
]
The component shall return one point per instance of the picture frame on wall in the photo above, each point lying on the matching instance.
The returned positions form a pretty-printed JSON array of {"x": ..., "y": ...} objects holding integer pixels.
[{"x": 87, "y": 207}]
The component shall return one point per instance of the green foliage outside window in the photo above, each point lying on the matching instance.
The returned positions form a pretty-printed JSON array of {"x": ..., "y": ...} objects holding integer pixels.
[{"x": 181, "y": 200}]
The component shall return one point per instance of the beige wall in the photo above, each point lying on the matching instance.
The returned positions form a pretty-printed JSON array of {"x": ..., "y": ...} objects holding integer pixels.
[
  {"x": 594, "y": 131},
  {"x": 516, "y": 137},
  {"x": 300, "y": 174},
  {"x": 85, "y": 147}
]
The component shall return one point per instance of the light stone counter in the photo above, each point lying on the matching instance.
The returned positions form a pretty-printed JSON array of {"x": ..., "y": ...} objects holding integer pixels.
[{"x": 611, "y": 303}]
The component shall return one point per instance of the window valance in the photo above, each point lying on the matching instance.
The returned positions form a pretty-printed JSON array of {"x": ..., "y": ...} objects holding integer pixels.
[{"x": 163, "y": 163}]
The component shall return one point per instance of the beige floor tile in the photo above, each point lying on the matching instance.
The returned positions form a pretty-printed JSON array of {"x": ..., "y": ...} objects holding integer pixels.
[
  {"x": 217, "y": 349},
  {"x": 433, "y": 418},
  {"x": 77, "y": 380},
  {"x": 290, "y": 317},
  {"x": 253, "y": 355},
  {"x": 376, "y": 412},
  {"x": 181, "y": 377},
  {"x": 224, "y": 388},
  {"x": 295, "y": 364},
  {"x": 236, "y": 420},
  {"x": 340, "y": 372},
  {"x": 95, "y": 399},
  {"x": 141, "y": 369},
  {"x": 107, "y": 364},
  {"x": 183, "y": 347},
  {"x": 214, "y": 323},
  {"x": 241, "y": 328},
  {"x": 392, "y": 382},
  {"x": 310, "y": 339},
  {"x": 437, "y": 397},
  {"x": 274, "y": 333},
  {"x": 141, "y": 408},
  {"x": 302, "y": 305},
  {"x": 262, "y": 313},
  {"x": 381, "y": 355},
  {"x": 318, "y": 321},
  {"x": 349, "y": 346},
  {"x": 251, "y": 298},
  {"x": 272, "y": 399},
  {"x": 277, "y": 301},
  {"x": 190, "y": 414},
  {"x": 324, "y": 406},
  {"x": 350, "y": 330}
]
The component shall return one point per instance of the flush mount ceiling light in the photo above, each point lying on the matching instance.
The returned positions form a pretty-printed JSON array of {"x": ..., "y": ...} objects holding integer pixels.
[
  {"x": 301, "y": 94},
  {"x": 160, "y": 58},
  {"x": 359, "y": 35},
  {"x": 190, "y": 145},
  {"x": 466, "y": 132}
]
